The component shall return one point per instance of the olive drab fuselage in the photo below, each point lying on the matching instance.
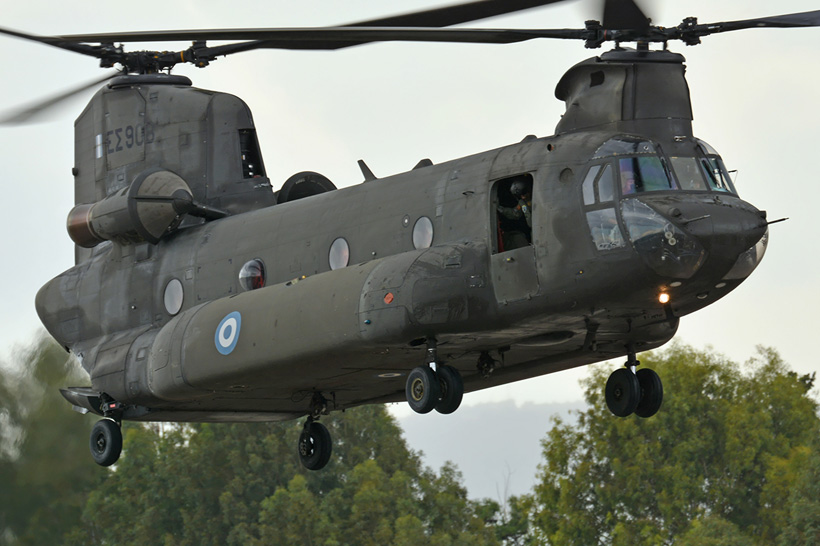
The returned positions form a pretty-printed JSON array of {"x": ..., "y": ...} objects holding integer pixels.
[{"x": 172, "y": 202}]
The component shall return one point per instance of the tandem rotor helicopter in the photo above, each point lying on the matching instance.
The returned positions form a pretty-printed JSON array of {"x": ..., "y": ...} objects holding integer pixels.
[{"x": 200, "y": 294}]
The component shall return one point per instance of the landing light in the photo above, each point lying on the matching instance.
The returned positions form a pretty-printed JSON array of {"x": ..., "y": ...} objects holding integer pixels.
[{"x": 663, "y": 298}]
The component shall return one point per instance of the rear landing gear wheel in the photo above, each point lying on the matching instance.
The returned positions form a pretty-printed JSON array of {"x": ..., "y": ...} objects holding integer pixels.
[
  {"x": 623, "y": 392},
  {"x": 106, "y": 442},
  {"x": 452, "y": 389},
  {"x": 423, "y": 389},
  {"x": 651, "y": 393},
  {"x": 315, "y": 446}
]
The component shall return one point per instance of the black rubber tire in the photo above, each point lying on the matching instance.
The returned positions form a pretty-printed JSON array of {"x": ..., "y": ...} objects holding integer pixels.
[
  {"x": 106, "y": 442},
  {"x": 623, "y": 392},
  {"x": 422, "y": 389},
  {"x": 452, "y": 389},
  {"x": 651, "y": 393},
  {"x": 315, "y": 446}
]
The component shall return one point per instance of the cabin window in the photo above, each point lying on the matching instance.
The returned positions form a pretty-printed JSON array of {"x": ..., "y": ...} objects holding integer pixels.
[
  {"x": 423, "y": 233},
  {"x": 252, "y": 275},
  {"x": 339, "y": 255},
  {"x": 513, "y": 212},
  {"x": 173, "y": 296}
]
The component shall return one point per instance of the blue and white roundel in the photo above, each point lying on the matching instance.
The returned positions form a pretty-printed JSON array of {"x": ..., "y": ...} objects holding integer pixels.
[{"x": 227, "y": 333}]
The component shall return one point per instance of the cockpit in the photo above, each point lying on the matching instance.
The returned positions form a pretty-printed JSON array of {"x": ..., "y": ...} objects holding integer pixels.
[
  {"x": 643, "y": 167},
  {"x": 619, "y": 196}
]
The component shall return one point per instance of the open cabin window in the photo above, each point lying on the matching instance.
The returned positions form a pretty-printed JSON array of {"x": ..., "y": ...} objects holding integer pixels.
[
  {"x": 513, "y": 212},
  {"x": 599, "y": 204}
]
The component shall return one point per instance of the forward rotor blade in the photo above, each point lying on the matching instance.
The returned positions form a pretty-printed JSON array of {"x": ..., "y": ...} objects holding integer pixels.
[
  {"x": 27, "y": 114},
  {"x": 792, "y": 20},
  {"x": 624, "y": 15}
]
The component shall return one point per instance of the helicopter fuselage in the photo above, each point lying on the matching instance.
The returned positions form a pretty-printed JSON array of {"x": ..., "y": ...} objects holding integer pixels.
[{"x": 633, "y": 224}]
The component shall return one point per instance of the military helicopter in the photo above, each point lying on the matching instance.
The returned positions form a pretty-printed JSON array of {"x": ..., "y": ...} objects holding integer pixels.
[{"x": 199, "y": 294}]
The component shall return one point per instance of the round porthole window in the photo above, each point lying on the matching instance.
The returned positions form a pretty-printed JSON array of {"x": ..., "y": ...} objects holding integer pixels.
[
  {"x": 173, "y": 296},
  {"x": 423, "y": 233},
  {"x": 252, "y": 275},
  {"x": 339, "y": 254}
]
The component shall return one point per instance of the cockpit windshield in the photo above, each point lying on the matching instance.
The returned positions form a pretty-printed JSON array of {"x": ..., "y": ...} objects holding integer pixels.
[
  {"x": 643, "y": 167},
  {"x": 640, "y": 174}
]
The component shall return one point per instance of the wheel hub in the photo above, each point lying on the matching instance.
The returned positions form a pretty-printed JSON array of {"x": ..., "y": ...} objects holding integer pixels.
[{"x": 418, "y": 390}]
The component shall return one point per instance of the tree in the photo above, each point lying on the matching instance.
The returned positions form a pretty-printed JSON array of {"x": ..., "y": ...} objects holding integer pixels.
[
  {"x": 242, "y": 484},
  {"x": 803, "y": 528},
  {"x": 44, "y": 470},
  {"x": 719, "y": 461}
]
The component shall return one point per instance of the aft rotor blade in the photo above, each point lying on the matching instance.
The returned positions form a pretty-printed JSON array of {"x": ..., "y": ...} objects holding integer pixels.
[
  {"x": 319, "y": 38},
  {"x": 28, "y": 114},
  {"x": 433, "y": 18},
  {"x": 454, "y": 15}
]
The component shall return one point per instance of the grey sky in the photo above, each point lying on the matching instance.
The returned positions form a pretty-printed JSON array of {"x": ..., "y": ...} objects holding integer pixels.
[{"x": 754, "y": 95}]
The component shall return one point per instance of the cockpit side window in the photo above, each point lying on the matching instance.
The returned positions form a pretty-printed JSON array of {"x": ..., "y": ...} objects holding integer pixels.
[
  {"x": 598, "y": 192},
  {"x": 716, "y": 174}
]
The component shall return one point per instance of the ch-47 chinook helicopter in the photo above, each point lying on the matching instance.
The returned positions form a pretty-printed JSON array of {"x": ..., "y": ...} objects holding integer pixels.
[{"x": 200, "y": 294}]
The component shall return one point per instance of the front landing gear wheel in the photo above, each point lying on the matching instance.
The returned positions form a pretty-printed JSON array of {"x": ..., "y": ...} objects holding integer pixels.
[
  {"x": 315, "y": 446},
  {"x": 106, "y": 442},
  {"x": 623, "y": 392},
  {"x": 452, "y": 389},
  {"x": 651, "y": 393},
  {"x": 422, "y": 389}
]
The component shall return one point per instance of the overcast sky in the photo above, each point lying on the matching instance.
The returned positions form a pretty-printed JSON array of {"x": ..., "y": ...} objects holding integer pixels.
[{"x": 754, "y": 94}]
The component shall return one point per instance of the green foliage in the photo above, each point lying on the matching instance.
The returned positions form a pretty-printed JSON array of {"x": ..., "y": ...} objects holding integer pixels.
[
  {"x": 44, "y": 471},
  {"x": 243, "y": 484},
  {"x": 213, "y": 484},
  {"x": 717, "y": 465},
  {"x": 732, "y": 458}
]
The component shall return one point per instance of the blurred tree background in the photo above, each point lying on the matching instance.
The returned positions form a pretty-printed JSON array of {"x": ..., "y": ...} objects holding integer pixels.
[{"x": 733, "y": 457}]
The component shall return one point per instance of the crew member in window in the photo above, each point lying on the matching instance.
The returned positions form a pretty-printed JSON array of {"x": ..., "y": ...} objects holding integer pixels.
[
  {"x": 523, "y": 193},
  {"x": 519, "y": 234}
]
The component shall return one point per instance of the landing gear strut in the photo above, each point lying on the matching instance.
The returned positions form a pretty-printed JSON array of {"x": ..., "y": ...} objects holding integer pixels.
[
  {"x": 628, "y": 391},
  {"x": 427, "y": 388},
  {"x": 106, "y": 436}
]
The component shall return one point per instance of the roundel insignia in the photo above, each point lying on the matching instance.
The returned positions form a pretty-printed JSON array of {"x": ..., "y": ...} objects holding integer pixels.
[{"x": 227, "y": 333}]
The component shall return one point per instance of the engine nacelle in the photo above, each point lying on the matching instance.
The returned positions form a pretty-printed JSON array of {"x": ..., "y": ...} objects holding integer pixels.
[{"x": 144, "y": 211}]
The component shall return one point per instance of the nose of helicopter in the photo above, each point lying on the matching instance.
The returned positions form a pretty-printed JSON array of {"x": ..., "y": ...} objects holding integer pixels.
[
  {"x": 707, "y": 237},
  {"x": 730, "y": 230}
]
